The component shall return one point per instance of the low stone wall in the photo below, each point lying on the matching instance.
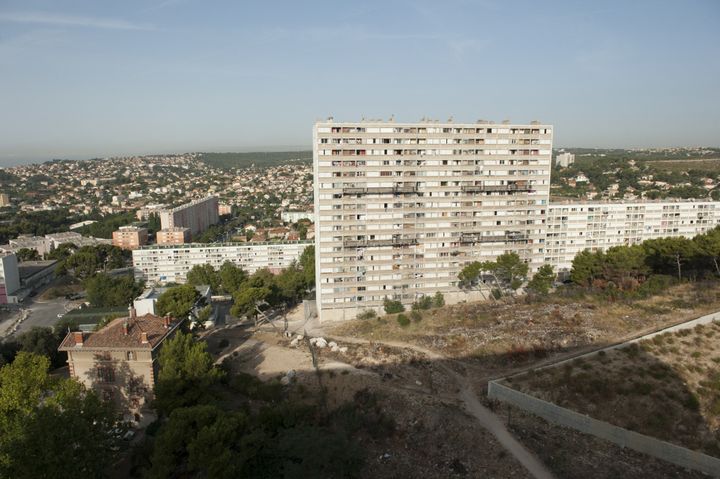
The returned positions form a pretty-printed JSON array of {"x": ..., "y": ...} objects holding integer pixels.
[{"x": 565, "y": 417}]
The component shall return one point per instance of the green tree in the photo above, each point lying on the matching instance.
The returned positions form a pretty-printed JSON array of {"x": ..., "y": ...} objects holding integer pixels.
[
  {"x": 668, "y": 255},
  {"x": 231, "y": 277},
  {"x": 153, "y": 223},
  {"x": 51, "y": 426},
  {"x": 27, "y": 254},
  {"x": 204, "y": 274},
  {"x": 392, "y": 306},
  {"x": 177, "y": 301},
  {"x": 708, "y": 245},
  {"x": 290, "y": 284},
  {"x": 62, "y": 252},
  {"x": 586, "y": 267},
  {"x": 438, "y": 300},
  {"x": 204, "y": 314},
  {"x": 83, "y": 264},
  {"x": 186, "y": 375},
  {"x": 206, "y": 439},
  {"x": 469, "y": 274},
  {"x": 623, "y": 262},
  {"x": 247, "y": 298},
  {"x": 43, "y": 342},
  {"x": 104, "y": 291},
  {"x": 510, "y": 269},
  {"x": 307, "y": 264},
  {"x": 542, "y": 280}
]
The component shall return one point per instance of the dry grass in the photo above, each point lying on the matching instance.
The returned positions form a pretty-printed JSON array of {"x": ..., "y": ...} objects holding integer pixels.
[
  {"x": 502, "y": 334},
  {"x": 666, "y": 387}
]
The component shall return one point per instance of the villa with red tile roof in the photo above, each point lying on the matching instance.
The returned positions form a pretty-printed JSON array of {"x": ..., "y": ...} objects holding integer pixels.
[{"x": 119, "y": 361}]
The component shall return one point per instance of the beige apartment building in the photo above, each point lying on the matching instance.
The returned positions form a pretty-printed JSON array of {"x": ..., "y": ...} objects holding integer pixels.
[
  {"x": 575, "y": 226},
  {"x": 171, "y": 263},
  {"x": 119, "y": 361},
  {"x": 130, "y": 237},
  {"x": 176, "y": 235},
  {"x": 401, "y": 208}
]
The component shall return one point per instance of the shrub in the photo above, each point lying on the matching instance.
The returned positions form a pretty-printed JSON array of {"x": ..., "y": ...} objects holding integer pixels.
[
  {"x": 403, "y": 320},
  {"x": 426, "y": 302},
  {"x": 438, "y": 300},
  {"x": 393, "y": 306},
  {"x": 691, "y": 402},
  {"x": 496, "y": 293},
  {"x": 416, "y": 316},
  {"x": 367, "y": 314}
]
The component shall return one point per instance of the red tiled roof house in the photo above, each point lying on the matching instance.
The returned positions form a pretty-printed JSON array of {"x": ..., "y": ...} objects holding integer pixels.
[{"x": 119, "y": 361}]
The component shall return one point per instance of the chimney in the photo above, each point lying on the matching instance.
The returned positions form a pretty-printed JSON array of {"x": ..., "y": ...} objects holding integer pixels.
[
  {"x": 166, "y": 322},
  {"x": 78, "y": 338},
  {"x": 131, "y": 311},
  {"x": 143, "y": 337}
]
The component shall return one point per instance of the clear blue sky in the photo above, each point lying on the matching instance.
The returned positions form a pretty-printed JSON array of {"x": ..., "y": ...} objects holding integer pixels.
[{"x": 96, "y": 78}]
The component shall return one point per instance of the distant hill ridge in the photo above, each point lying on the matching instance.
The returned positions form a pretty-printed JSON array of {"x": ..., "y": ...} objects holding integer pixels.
[{"x": 259, "y": 159}]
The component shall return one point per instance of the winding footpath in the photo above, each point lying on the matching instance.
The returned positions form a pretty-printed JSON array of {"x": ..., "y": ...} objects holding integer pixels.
[{"x": 473, "y": 406}]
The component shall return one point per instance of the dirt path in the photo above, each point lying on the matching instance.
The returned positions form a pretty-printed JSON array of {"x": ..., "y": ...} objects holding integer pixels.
[{"x": 473, "y": 406}]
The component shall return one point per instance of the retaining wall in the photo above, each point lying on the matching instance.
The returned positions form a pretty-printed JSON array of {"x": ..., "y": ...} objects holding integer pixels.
[{"x": 565, "y": 417}]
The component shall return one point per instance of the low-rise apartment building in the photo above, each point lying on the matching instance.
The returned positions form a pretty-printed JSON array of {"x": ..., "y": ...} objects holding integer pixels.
[
  {"x": 176, "y": 235},
  {"x": 130, "y": 237},
  {"x": 171, "y": 263}
]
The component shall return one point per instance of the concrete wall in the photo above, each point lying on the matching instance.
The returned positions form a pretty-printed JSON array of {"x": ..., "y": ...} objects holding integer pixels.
[
  {"x": 351, "y": 312},
  {"x": 622, "y": 437}
]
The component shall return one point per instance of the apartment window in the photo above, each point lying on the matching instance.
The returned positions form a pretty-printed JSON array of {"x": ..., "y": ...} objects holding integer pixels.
[
  {"x": 131, "y": 356},
  {"x": 105, "y": 374}
]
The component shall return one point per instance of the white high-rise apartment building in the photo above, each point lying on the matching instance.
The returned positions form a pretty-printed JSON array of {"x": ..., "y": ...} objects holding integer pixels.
[{"x": 401, "y": 207}]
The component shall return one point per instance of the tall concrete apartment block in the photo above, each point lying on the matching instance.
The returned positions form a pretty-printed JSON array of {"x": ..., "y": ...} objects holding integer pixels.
[
  {"x": 197, "y": 215},
  {"x": 401, "y": 208}
]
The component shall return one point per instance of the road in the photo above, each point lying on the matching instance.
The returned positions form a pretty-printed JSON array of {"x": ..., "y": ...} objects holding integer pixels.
[{"x": 39, "y": 314}]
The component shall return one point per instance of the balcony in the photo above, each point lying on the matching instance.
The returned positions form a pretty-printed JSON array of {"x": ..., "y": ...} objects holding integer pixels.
[
  {"x": 491, "y": 188},
  {"x": 380, "y": 190},
  {"x": 510, "y": 237},
  {"x": 377, "y": 243}
]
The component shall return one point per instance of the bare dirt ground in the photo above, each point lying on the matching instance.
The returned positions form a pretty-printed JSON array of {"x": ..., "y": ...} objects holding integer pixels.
[
  {"x": 434, "y": 436},
  {"x": 430, "y": 378}
]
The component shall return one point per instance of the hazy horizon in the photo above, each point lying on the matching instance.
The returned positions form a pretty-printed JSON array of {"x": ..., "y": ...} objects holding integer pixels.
[
  {"x": 261, "y": 149},
  {"x": 85, "y": 79}
]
